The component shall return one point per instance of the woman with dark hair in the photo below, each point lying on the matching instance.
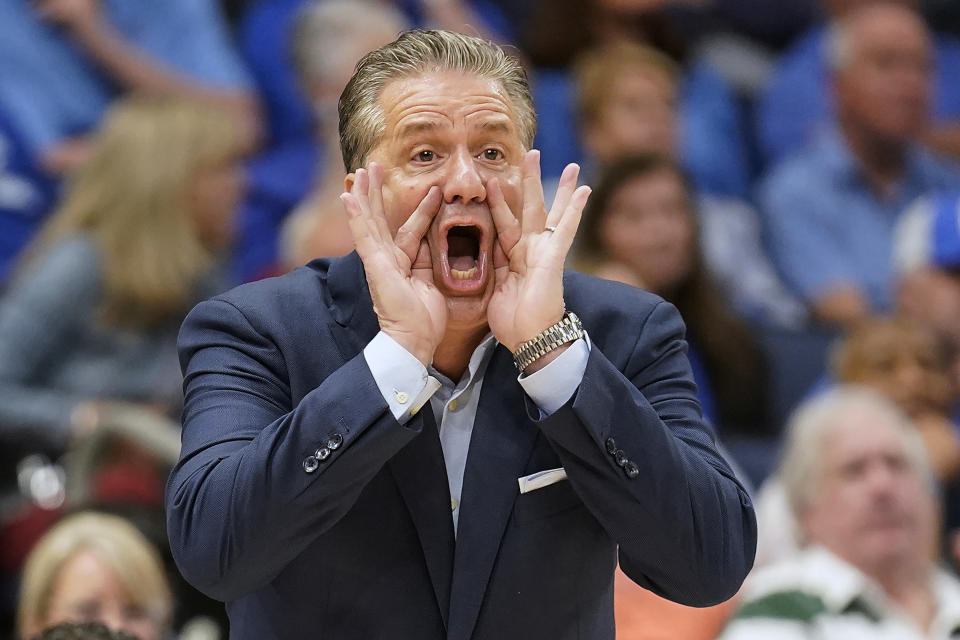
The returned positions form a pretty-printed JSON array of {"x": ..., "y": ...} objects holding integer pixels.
[{"x": 640, "y": 228}]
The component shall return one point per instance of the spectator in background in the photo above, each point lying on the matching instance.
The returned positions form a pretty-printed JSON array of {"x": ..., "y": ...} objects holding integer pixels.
[
  {"x": 62, "y": 62},
  {"x": 93, "y": 314},
  {"x": 798, "y": 104},
  {"x": 859, "y": 483},
  {"x": 831, "y": 210},
  {"x": 909, "y": 365},
  {"x": 640, "y": 228},
  {"x": 95, "y": 567},
  {"x": 627, "y": 104},
  {"x": 318, "y": 227}
]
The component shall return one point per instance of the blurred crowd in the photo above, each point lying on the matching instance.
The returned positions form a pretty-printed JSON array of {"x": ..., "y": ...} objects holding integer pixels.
[{"x": 786, "y": 173}]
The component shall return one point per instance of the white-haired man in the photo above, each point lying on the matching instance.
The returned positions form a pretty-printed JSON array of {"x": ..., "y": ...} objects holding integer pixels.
[{"x": 860, "y": 487}]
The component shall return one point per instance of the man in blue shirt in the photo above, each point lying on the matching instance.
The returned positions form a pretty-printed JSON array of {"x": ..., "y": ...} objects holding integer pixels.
[
  {"x": 797, "y": 103},
  {"x": 62, "y": 63},
  {"x": 831, "y": 209}
]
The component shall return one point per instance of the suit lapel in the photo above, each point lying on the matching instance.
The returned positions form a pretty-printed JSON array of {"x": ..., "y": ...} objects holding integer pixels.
[
  {"x": 421, "y": 476},
  {"x": 418, "y": 468},
  {"x": 500, "y": 448}
]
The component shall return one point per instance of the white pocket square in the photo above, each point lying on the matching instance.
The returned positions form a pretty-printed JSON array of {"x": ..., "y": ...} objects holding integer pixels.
[{"x": 541, "y": 479}]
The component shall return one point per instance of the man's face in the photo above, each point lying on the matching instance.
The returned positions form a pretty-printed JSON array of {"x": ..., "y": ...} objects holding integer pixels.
[
  {"x": 870, "y": 506},
  {"x": 456, "y": 131},
  {"x": 887, "y": 83}
]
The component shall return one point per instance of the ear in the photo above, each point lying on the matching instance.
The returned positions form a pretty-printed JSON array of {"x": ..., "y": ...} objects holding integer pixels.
[{"x": 348, "y": 182}]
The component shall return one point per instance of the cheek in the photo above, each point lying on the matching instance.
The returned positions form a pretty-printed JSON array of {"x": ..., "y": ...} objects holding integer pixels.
[{"x": 400, "y": 199}]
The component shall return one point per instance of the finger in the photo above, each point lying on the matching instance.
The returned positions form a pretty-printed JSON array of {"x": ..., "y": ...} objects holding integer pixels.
[
  {"x": 567, "y": 226},
  {"x": 375, "y": 196},
  {"x": 361, "y": 192},
  {"x": 360, "y": 200},
  {"x": 410, "y": 234},
  {"x": 367, "y": 245},
  {"x": 500, "y": 260},
  {"x": 508, "y": 227},
  {"x": 568, "y": 182},
  {"x": 534, "y": 212},
  {"x": 422, "y": 265}
]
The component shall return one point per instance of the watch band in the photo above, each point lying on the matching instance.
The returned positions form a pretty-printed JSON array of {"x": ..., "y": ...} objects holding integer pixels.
[{"x": 568, "y": 329}]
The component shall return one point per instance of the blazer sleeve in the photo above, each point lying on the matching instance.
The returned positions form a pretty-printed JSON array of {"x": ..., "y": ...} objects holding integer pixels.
[
  {"x": 636, "y": 452},
  {"x": 250, "y": 492}
]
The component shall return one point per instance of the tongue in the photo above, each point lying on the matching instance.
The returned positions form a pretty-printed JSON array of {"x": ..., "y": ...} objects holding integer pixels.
[
  {"x": 462, "y": 263},
  {"x": 461, "y": 251}
]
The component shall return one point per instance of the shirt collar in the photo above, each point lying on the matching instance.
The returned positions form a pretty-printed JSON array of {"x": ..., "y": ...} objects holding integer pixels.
[
  {"x": 478, "y": 363},
  {"x": 838, "y": 158}
]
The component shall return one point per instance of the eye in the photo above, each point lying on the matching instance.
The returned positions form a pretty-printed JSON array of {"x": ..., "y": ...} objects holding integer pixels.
[
  {"x": 493, "y": 155},
  {"x": 424, "y": 156}
]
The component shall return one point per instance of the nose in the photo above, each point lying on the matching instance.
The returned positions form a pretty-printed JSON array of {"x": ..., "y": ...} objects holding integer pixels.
[{"x": 463, "y": 182}]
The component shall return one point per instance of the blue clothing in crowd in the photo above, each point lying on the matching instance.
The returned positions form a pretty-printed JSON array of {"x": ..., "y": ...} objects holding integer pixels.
[
  {"x": 826, "y": 226},
  {"x": 277, "y": 180},
  {"x": 26, "y": 194},
  {"x": 51, "y": 90},
  {"x": 796, "y": 105}
]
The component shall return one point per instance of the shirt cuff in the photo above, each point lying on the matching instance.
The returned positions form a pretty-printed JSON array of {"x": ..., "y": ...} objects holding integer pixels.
[
  {"x": 552, "y": 386},
  {"x": 402, "y": 379}
]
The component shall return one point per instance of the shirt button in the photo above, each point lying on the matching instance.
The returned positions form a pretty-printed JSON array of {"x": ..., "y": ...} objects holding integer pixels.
[
  {"x": 402, "y": 397},
  {"x": 631, "y": 469},
  {"x": 322, "y": 454},
  {"x": 334, "y": 442},
  {"x": 453, "y": 504},
  {"x": 310, "y": 464},
  {"x": 452, "y": 405},
  {"x": 611, "y": 446}
]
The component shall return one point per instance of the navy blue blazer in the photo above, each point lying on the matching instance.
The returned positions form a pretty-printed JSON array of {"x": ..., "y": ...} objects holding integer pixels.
[{"x": 360, "y": 543}]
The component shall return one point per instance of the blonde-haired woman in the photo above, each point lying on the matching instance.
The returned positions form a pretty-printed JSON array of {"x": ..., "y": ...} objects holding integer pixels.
[
  {"x": 92, "y": 316},
  {"x": 95, "y": 567}
]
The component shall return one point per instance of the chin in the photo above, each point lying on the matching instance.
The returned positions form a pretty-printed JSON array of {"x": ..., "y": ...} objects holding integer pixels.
[{"x": 467, "y": 312}]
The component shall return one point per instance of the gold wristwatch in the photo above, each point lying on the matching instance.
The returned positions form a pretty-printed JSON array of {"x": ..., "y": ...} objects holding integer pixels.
[{"x": 568, "y": 329}]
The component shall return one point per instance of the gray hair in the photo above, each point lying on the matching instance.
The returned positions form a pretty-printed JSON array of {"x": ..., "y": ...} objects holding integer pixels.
[
  {"x": 810, "y": 425},
  {"x": 326, "y": 32},
  {"x": 417, "y": 52}
]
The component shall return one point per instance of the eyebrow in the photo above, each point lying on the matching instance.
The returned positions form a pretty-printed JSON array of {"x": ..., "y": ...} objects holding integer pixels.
[
  {"x": 424, "y": 126},
  {"x": 496, "y": 126},
  {"x": 420, "y": 126}
]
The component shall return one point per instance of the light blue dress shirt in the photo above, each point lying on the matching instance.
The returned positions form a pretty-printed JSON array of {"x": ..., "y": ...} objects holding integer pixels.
[
  {"x": 407, "y": 385},
  {"x": 827, "y": 227}
]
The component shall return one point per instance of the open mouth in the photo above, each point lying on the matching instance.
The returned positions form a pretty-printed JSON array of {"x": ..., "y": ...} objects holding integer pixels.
[{"x": 463, "y": 252}]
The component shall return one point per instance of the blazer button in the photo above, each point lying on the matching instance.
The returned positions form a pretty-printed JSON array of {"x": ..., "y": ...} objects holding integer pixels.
[
  {"x": 310, "y": 464},
  {"x": 620, "y": 457},
  {"x": 631, "y": 469},
  {"x": 611, "y": 446},
  {"x": 334, "y": 442},
  {"x": 322, "y": 454}
]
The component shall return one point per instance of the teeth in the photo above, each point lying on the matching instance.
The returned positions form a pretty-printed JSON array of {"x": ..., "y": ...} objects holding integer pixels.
[{"x": 463, "y": 275}]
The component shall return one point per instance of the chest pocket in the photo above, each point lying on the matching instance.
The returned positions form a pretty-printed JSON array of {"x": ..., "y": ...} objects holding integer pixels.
[{"x": 552, "y": 500}]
